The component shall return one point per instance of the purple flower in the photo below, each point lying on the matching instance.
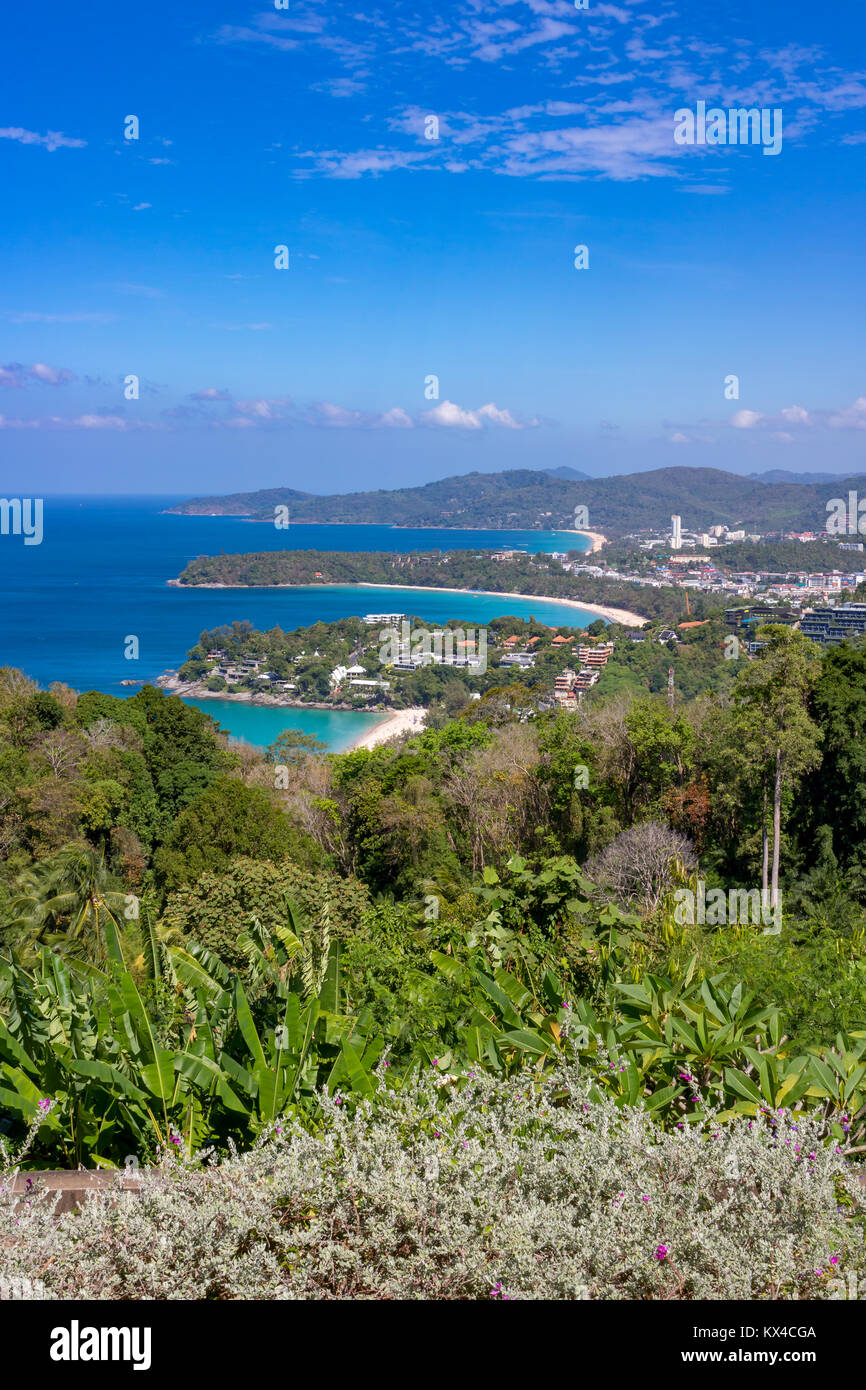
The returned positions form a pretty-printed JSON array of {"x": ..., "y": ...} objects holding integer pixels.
[
  {"x": 661, "y": 1252},
  {"x": 45, "y": 1104}
]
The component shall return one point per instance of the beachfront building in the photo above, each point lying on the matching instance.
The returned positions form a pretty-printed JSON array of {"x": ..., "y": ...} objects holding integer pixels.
[
  {"x": 596, "y": 658},
  {"x": 525, "y": 660},
  {"x": 564, "y": 689}
]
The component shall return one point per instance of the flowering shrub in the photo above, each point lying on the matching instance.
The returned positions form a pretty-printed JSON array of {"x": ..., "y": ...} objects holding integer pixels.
[{"x": 463, "y": 1187}]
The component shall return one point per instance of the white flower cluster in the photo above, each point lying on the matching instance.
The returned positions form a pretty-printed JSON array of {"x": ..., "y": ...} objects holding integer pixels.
[{"x": 479, "y": 1188}]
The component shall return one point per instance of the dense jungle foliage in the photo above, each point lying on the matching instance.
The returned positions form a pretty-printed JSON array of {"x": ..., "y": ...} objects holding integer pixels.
[{"x": 192, "y": 946}]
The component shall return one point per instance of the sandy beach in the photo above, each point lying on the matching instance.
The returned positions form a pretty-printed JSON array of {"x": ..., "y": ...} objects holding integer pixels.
[
  {"x": 402, "y": 721},
  {"x": 596, "y": 538},
  {"x": 613, "y": 615},
  {"x": 603, "y": 610}
]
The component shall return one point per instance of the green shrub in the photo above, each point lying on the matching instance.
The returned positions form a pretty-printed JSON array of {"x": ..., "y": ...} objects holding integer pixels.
[
  {"x": 216, "y": 908},
  {"x": 465, "y": 1188}
]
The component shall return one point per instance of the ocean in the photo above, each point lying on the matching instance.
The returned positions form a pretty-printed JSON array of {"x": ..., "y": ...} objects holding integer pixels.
[{"x": 100, "y": 577}]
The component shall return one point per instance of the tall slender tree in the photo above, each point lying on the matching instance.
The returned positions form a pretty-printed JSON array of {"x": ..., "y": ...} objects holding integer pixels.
[{"x": 774, "y": 692}]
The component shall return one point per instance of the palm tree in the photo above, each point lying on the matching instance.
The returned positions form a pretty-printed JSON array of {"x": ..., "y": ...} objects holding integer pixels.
[{"x": 66, "y": 902}]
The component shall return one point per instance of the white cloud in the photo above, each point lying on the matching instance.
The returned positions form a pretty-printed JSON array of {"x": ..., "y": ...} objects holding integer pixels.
[
  {"x": 588, "y": 53},
  {"x": 77, "y": 422},
  {"x": 98, "y": 422},
  {"x": 53, "y": 376},
  {"x": 16, "y": 374},
  {"x": 26, "y": 316},
  {"x": 52, "y": 140},
  {"x": 451, "y": 416},
  {"x": 337, "y": 415},
  {"x": 262, "y": 409},
  {"x": 396, "y": 418},
  {"x": 853, "y": 417}
]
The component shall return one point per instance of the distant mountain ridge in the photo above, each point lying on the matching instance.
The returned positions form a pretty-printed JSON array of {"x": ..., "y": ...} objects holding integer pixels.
[
  {"x": 784, "y": 475},
  {"x": 565, "y": 472},
  {"x": 527, "y": 499}
]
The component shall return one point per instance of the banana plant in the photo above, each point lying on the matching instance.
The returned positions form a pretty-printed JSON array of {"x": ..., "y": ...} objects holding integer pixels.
[{"x": 81, "y": 1041}]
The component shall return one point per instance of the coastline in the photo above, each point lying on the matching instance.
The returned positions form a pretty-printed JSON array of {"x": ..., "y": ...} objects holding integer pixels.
[
  {"x": 194, "y": 690},
  {"x": 597, "y": 540},
  {"x": 596, "y": 537},
  {"x": 390, "y": 722},
  {"x": 602, "y": 610},
  {"x": 399, "y": 721}
]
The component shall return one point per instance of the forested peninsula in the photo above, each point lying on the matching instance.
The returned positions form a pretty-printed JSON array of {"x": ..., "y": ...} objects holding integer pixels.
[{"x": 533, "y": 575}]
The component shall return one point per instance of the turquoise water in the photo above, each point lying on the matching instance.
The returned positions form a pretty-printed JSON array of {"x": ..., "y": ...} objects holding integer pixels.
[
  {"x": 262, "y": 724},
  {"x": 100, "y": 577}
]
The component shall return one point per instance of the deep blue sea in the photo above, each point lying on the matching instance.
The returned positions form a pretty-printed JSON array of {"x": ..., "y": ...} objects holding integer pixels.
[{"x": 99, "y": 577}]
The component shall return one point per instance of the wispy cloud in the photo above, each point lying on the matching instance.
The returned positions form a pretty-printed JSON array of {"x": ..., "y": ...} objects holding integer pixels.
[
  {"x": 583, "y": 135},
  {"x": 243, "y": 327},
  {"x": 281, "y": 412},
  {"x": 29, "y": 316},
  {"x": 51, "y": 140},
  {"x": 792, "y": 421},
  {"x": 447, "y": 415},
  {"x": 16, "y": 374},
  {"x": 76, "y": 422}
]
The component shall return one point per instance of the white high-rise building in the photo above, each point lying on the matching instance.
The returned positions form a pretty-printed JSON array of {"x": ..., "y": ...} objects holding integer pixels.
[{"x": 676, "y": 533}]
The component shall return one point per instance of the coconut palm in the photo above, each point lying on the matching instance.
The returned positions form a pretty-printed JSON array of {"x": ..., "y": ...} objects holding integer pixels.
[{"x": 66, "y": 901}]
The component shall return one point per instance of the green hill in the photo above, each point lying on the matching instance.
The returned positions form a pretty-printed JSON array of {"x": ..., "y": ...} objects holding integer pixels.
[{"x": 527, "y": 499}]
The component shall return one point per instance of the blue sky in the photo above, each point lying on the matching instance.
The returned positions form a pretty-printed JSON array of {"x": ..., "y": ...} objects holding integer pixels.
[{"x": 411, "y": 257}]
